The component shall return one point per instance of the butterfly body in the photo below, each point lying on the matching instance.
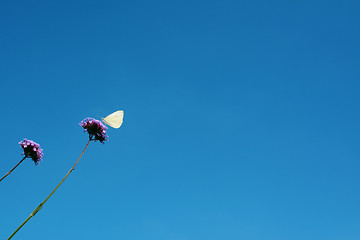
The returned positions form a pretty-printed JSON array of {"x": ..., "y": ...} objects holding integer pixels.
[{"x": 115, "y": 119}]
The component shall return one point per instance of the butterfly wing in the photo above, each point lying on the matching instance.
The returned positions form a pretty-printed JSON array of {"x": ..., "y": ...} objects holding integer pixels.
[{"x": 115, "y": 119}]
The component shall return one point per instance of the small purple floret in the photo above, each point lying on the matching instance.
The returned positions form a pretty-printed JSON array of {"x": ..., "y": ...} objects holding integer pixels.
[
  {"x": 32, "y": 150},
  {"x": 95, "y": 128}
]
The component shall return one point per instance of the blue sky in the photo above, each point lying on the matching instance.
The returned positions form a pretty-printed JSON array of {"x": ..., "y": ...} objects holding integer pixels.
[{"x": 241, "y": 119}]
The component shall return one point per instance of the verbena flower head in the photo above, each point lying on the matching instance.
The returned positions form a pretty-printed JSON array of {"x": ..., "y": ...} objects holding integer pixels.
[
  {"x": 32, "y": 150},
  {"x": 95, "y": 128}
]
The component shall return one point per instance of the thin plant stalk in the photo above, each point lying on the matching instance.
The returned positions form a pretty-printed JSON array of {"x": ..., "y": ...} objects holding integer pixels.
[
  {"x": 41, "y": 204},
  {"x": 13, "y": 169}
]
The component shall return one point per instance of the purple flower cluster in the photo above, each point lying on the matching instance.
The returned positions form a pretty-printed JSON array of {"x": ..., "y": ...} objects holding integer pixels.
[
  {"x": 32, "y": 150},
  {"x": 95, "y": 128}
]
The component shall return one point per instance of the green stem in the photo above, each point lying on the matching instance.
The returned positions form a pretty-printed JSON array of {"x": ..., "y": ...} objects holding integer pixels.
[
  {"x": 12, "y": 169},
  {"x": 41, "y": 204}
]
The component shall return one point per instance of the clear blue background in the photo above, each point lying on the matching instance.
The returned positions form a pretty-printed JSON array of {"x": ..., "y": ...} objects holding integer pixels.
[{"x": 241, "y": 119}]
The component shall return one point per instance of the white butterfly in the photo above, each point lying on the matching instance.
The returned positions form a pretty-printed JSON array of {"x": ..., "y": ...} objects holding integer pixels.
[{"x": 115, "y": 119}]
